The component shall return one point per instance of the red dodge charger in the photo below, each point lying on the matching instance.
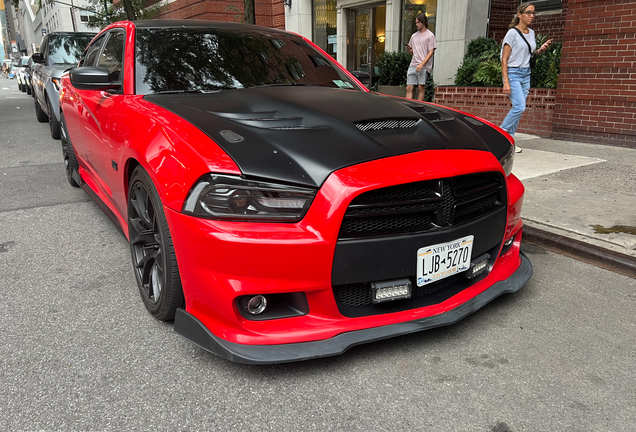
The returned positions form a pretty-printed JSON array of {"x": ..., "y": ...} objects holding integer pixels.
[{"x": 276, "y": 209}]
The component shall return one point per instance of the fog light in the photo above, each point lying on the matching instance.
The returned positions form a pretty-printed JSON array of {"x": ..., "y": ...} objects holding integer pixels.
[
  {"x": 509, "y": 241},
  {"x": 478, "y": 266},
  {"x": 256, "y": 305},
  {"x": 390, "y": 290}
]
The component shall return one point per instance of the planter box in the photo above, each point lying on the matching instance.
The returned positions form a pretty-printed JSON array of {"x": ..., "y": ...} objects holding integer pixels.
[{"x": 392, "y": 90}]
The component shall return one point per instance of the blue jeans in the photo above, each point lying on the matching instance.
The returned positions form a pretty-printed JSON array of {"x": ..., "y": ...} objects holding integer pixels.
[{"x": 519, "y": 79}]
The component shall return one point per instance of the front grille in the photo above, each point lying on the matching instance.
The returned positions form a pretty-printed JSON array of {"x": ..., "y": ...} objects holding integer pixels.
[
  {"x": 354, "y": 300},
  {"x": 359, "y": 294},
  {"x": 423, "y": 206}
]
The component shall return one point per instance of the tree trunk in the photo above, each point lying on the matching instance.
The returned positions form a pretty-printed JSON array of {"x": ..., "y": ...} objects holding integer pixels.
[
  {"x": 130, "y": 11},
  {"x": 250, "y": 16}
]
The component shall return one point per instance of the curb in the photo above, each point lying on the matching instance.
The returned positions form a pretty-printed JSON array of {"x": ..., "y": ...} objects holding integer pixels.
[{"x": 598, "y": 256}]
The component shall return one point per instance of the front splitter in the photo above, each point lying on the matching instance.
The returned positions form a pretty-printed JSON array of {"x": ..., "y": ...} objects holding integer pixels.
[{"x": 191, "y": 328}]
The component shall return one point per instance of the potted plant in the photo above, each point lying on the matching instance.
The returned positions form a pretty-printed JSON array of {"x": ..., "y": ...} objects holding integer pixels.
[{"x": 392, "y": 67}]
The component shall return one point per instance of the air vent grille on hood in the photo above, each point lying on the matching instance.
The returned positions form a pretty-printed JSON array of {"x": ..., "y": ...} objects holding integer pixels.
[{"x": 377, "y": 125}]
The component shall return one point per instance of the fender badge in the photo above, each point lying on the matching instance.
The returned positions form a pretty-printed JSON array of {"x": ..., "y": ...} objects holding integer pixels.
[{"x": 232, "y": 137}]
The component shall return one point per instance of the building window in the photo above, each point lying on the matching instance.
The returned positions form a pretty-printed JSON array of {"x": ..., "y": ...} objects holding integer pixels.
[
  {"x": 544, "y": 5},
  {"x": 85, "y": 15},
  {"x": 411, "y": 9},
  {"x": 325, "y": 25}
]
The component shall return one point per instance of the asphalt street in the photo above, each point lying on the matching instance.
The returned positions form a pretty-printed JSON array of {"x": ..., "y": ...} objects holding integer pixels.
[{"x": 79, "y": 352}]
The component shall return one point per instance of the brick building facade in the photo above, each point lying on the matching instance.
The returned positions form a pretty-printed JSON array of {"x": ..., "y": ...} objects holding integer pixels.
[
  {"x": 550, "y": 23},
  {"x": 597, "y": 84},
  {"x": 269, "y": 13}
]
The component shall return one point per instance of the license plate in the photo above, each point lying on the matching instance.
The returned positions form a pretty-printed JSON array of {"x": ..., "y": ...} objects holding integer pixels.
[{"x": 442, "y": 260}]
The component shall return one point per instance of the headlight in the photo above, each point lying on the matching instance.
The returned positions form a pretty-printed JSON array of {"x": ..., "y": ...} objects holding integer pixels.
[
  {"x": 233, "y": 198},
  {"x": 508, "y": 160}
]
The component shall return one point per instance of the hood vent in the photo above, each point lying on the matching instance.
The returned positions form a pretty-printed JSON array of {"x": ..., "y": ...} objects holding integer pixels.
[
  {"x": 431, "y": 114},
  {"x": 267, "y": 120},
  {"x": 392, "y": 124}
]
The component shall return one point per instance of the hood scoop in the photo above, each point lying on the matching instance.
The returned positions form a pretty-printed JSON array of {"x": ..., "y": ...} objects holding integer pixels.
[
  {"x": 266, "y": 120},
  {"x": 431, "y": 114},
  {"x": 388, "y": 124}
]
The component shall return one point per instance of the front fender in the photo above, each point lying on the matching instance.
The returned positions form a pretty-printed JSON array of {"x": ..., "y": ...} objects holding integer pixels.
[{"x": 52, "y": 94}]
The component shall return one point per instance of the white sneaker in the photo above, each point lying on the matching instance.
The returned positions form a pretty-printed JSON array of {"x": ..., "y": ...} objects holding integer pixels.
[{"x": 518, "y": 149}]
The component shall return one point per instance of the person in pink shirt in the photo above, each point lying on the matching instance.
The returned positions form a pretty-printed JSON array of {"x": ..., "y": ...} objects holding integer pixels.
[{"x": 421, "y": 46}]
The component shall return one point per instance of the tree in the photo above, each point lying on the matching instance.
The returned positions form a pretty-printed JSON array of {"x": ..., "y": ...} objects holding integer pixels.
[
  {"x": 250, "y": 16},
  {"x": 108, "y": 11}
]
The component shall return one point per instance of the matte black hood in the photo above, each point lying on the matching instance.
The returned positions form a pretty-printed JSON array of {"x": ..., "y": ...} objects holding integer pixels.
[{"x": 301, "y": 134}]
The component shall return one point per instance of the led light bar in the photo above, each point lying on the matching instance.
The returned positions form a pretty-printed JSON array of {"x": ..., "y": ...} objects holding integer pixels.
[{"x": 390, "y": 290}]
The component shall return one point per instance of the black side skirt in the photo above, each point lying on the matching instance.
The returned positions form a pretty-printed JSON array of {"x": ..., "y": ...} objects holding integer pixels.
[{"x": 191, "y": 328}]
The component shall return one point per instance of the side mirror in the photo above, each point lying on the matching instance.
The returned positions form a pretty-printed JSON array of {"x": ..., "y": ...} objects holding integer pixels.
[
  {"x": 92, "y": 78},
  {"x": 38, "y": 58},
  {"x": 363, "y": 77}
]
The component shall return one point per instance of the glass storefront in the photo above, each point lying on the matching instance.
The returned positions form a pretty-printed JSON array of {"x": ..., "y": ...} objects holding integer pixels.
[
  {"x": 368, "y": 28},
  {"x": 324, "y": 18},
  {"x": 411, "y": 9}
]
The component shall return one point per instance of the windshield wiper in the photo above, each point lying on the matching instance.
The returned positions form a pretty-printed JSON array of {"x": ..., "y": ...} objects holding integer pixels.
[
  {"x": 191, "y": 91},
  {"x": 288, "y": 84},
  {"x": 179, "y": 91}
]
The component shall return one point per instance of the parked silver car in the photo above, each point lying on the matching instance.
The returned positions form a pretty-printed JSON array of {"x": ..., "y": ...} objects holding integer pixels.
[
  {"x": 23, "y": 85},
  {"x": 58, "y": 52}
]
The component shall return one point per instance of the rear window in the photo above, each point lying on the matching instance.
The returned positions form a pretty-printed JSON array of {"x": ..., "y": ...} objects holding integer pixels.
[
  {"x": 212, "y": 59},
  {"x": 67, "y": 49}
]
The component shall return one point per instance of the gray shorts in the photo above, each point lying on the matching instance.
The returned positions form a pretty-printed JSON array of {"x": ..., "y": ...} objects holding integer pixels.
[{"x": 414, "y": 78}]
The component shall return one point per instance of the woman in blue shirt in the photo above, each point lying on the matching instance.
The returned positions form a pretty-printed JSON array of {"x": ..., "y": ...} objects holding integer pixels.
[{"x": 515, "y": 64}]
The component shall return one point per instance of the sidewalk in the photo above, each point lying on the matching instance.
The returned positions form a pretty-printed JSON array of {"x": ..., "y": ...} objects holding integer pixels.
[{"x": 580, "y": 200}]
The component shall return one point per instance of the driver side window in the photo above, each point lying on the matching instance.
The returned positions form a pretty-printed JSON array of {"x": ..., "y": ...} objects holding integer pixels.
[
  {"x": 90, "y": 56},
  {"x": 112, "y": 58}
]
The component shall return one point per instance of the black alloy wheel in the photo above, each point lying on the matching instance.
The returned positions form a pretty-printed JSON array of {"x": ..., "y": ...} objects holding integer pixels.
[
  {"x": 70, "y": 160},
  {"x": 39, "y": 112},
  {"x": 151, "y": 248},
  {"x": 54, "y": 124}
]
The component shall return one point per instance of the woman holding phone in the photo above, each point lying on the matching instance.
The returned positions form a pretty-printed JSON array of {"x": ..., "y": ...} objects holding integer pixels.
[{"x": 515, "y": 64}]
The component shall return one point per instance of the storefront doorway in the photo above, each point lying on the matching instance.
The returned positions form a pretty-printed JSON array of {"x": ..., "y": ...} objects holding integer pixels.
[{"x": 366, "y": 30}]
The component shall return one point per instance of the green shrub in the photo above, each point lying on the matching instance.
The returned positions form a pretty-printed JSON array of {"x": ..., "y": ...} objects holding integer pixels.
[
  {"x": 482, "y": 45},
  {"x": 545, "y": 73},
  {"x": 489, "y": 73},
  {"x": 393, "y": 67},
  {"x": 466, "y": 72},
  {"x": 429, "y": 89},
  {"x": 481, "y": 66}
]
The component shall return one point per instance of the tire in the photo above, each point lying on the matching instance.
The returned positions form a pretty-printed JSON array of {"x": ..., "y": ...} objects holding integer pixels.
[
  {"x": 39, "y": 113},
  {"x": 151, "y": 248},
  {"x": 54, "y": 123},
  {"x": 71, "y": 165},
  {"x": 20, "y": 87},
  {"x": 28, "y": 89},
  {"x": 24, "y": 88}
]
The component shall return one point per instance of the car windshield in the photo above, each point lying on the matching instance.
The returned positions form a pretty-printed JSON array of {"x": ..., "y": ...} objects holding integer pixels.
[
  {"x": 181, "y": 60},
  {"x": 67, "y": 49},
  {"x": 24, "y": 61}
]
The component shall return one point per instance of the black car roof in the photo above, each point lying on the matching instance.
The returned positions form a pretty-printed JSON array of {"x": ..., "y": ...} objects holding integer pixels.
[{"x": 203, "y": 24}]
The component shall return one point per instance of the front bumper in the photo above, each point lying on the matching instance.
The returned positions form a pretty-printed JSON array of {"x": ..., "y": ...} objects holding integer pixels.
[
  {"x": 221, "y": 261},
  {"x": 191, "y": 328}
]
